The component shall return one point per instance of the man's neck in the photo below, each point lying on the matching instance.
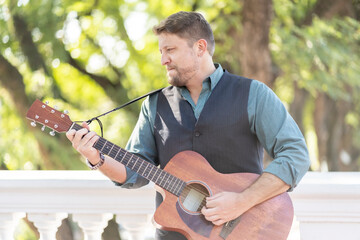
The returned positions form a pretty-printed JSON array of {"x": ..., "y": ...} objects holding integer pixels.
[{"x": 195, "y": 86}]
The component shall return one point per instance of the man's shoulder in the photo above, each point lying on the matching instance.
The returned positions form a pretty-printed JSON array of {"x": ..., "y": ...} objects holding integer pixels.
[{"x": 231, "y": 76}]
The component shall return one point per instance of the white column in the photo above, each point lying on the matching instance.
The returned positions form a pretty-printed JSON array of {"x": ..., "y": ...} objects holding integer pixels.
[
  {"x": 47, "y": 223},
  {"x": 134, "y": 224},
  {"x": 8, "y": 222},
  {"x": 93, "y": 225}
]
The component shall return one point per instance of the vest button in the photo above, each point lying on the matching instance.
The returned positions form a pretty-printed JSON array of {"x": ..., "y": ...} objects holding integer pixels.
[{"x": 197, "y": 134}]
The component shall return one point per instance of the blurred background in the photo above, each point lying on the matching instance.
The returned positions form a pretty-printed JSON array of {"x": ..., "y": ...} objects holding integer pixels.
[{"x": 91, "y": 56}]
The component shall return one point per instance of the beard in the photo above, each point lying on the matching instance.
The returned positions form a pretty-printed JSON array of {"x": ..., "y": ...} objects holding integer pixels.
[
  {"x": 181, "y": 76},
  {"x": 177, "y": 80}
]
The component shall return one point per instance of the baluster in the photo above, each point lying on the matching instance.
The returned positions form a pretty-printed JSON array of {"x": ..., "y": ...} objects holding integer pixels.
[
  {"x": 93, "y": 225},
  {"x": 47, "y": 223},
  {"x": 8, "y": 222},
  {"x": 134, "y": 224}
]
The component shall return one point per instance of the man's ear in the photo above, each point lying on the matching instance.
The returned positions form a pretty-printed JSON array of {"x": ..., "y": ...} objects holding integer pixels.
[{"x": 201, "y": 47}]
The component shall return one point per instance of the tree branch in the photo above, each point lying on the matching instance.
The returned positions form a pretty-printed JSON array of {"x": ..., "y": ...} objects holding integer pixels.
[{"x": 30, "y": 50}]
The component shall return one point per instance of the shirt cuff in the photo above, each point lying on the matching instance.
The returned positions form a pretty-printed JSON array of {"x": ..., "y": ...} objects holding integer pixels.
[
  {"x": 285, "y": 171},
  {"x": 133, "y": 180}
]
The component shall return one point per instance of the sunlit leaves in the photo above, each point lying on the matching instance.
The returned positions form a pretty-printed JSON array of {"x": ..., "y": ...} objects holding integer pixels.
[{"x": 113, "y": 39}]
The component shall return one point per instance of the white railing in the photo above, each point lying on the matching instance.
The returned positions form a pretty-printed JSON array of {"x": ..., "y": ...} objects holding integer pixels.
[{"x": 327, "y": 205}]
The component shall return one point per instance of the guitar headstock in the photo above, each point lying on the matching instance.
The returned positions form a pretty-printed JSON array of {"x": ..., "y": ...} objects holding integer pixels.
[{"x": 49, "y": 117}]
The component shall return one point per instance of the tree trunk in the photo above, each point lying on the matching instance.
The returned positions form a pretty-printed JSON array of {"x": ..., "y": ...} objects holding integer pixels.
[
  {"x": 12, "y": 81},
  {"x": 256, "y": 59},
  {"x": 297, "y": 106}
]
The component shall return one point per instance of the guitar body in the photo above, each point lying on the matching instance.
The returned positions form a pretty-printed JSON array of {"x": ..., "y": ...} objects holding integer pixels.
[{"x": 270, "y": 220}]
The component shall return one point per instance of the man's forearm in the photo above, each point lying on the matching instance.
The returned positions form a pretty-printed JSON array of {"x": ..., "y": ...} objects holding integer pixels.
[
  {"x": 264, "y": 188},
  {"x": 113, "y": 170}
]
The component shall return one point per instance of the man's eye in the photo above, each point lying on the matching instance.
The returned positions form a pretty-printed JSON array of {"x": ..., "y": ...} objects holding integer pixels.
[{"x": 170, "y": 49}]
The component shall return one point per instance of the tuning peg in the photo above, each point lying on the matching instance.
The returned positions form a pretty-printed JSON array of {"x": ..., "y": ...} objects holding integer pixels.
[
  {"x": 43, "y": 128},
  {"x": 33, "y": 124},
  {"x": 52, "y": 133},
  {"x": 65, "y": 112},
  {"x": 47, "y": 102},
  {"x": 56, "y": 107}
]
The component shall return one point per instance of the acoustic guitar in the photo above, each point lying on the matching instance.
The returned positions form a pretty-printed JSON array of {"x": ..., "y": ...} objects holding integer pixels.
[{"x": 185, "y": 182}]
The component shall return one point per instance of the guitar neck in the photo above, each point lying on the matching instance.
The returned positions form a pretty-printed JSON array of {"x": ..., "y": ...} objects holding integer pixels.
[{"x": 145, "y": 169}]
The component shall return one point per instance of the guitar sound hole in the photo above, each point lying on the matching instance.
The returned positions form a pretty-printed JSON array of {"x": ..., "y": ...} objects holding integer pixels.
[{"x": 193, "y": 197}]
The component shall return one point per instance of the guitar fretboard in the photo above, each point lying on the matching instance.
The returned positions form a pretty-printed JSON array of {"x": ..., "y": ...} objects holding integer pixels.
[{"x": 147, "y": 170}]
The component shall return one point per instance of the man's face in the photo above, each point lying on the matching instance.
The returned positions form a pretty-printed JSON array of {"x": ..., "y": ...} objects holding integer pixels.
[{"x": 180, "y": 59}]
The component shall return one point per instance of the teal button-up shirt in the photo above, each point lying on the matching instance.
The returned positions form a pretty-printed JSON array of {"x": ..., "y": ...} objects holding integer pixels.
[{"x": 269, "y": 120}]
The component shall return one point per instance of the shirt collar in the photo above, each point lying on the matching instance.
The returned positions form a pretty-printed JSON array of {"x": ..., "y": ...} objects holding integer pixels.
[
  {"x": 216, "y": 75},
  {"x": 212, "y": 80}
]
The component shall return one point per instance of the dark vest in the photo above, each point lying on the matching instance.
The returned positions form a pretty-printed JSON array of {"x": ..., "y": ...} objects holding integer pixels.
[{"x": 221, "y": 134}]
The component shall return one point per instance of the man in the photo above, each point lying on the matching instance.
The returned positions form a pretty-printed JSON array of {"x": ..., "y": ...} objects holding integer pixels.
[{"x": 210, "y": 111}]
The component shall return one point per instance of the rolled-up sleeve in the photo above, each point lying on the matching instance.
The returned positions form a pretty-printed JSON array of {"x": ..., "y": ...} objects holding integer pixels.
[{"x": 279, "y": 135}]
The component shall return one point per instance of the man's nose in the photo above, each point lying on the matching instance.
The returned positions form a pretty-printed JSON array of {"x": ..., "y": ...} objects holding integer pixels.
[{"x": 164, "y": 59}]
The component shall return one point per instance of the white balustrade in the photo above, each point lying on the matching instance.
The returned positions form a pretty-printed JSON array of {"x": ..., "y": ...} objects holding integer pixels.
[
  {"x": 88, "y": 196},
  {"x": 92, "y": 224},
  {"x": 8, "y": 222},
  {"x": 134, "y": 223},
  {"x": 47, "y": 223},
  {"x": 327, "y": 205}
]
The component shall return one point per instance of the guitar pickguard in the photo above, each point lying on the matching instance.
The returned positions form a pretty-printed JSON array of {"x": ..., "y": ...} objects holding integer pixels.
[{"x": 195, "y": 222}]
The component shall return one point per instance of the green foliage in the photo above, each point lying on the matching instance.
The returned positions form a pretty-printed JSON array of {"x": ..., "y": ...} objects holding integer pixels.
[
  {"x": 112, "y": 40},
  {"x": 18, "y": 147}
]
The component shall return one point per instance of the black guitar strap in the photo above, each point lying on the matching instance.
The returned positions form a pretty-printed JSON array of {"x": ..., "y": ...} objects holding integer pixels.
[{"x": 122, "y": 106}]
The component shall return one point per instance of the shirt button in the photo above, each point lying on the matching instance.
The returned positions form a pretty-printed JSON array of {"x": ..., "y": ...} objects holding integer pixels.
[{"x": 197, "y": 134}]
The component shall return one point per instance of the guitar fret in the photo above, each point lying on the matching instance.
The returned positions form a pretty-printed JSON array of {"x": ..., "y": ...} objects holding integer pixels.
[
  {"x": 137, "y": 162},
  {"x": 165, "y": 178},
  {"x": 173, "y": 183},
  {"x": 141, "y": 165},
  {"x": 107, "y": 147},
  {"x": 117, "y": 154},
  {"x": 131, "y": 161},
  {"x": 127, "y": 159},
  {"x": 122, "y": 156},
  {"x": 179, "y": 184},
  {"x": 156, "y": 181},
  {"x": 103, "y": 146},
  {"x": 169, "y": 183},
  {"x": 115, "y": 149},
  {"x": 161, "y": 178},
  {"x": 153, "y": 175},
  {"x": 144, "y": 172},
  {"x": 110, "y": 149}
]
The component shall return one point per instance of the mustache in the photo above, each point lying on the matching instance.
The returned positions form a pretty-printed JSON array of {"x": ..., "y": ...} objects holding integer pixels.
[{"x": 169, "y": 67}]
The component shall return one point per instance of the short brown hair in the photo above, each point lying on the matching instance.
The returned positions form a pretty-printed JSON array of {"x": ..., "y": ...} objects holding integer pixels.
[{"x": 188, "y": 25}]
